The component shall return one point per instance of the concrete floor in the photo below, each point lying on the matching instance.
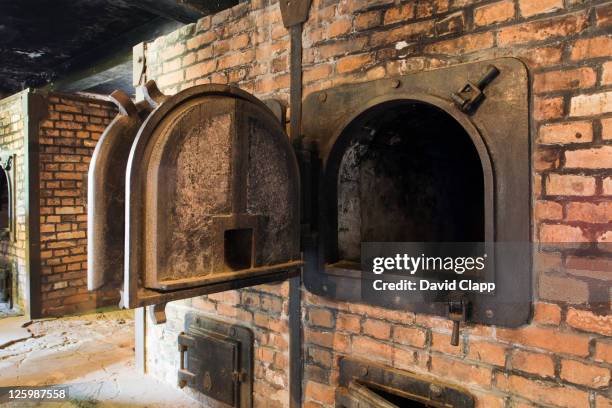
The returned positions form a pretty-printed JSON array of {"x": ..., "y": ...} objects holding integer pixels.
[{"x": 93, "y": 355}]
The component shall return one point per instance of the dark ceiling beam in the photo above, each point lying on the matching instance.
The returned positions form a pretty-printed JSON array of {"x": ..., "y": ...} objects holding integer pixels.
[
  {"x": 183, "y": 11},
  {"x": 109, "y": 62}
]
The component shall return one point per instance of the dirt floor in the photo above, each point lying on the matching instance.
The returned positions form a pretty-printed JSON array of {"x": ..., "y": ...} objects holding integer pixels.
[{"x": 93, "y": 355}]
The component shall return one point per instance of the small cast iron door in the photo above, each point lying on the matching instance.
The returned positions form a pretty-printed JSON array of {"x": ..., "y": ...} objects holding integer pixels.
[{"x": 211, "y": 198}]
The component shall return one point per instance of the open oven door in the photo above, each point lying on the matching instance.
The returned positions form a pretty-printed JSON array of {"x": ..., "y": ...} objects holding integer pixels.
[{"x": 211, "y": 198}]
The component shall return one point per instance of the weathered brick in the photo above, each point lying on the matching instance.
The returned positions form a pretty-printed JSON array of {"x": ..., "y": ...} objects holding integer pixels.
[
  {"x": 590, "y": 322},
  {"x": 543, "y": 392},
  {"x": 566, "y": 133},
  {"x": 592, "y": 104},
  {"x": 460, "y": 371},
  {"x": 487, "y": 352},
  {"x": 376, "y": 328},
  {"x": 547, "y": 339},
  {"x": 541, "y": 30},
  {"x": 530, "y": 8},
  {"x": 590, "y": 212},
  {"x": 548, "y": 108},
  {"x": 410, "y": 336},
  {"x": 594, "y": 47},
  {"x": 562, "y": 80},
  {"x": 320, "y": 317},
  {"x": 547, "y": 313},
  {"x": 402, "y": 12},
  {"x": 548, "y": 210},
  {"x": 494, "y": 13},
  {"x": 603, "y": 351},
  {"x": 584, "y": 374},
  {"x": 533, "y": 363},
  {"x": 353, "y": 63},
  {"x": 596, "y": 158},
  {"x": 463, "y": 45},
  {"x": 570, "y": 185},
  {"x": 563, "y": 289}
]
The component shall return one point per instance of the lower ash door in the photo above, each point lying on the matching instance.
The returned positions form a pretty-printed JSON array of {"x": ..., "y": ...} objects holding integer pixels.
[
  {"x": 367, "y": 385},
  {"x": 216, "y": 360}
]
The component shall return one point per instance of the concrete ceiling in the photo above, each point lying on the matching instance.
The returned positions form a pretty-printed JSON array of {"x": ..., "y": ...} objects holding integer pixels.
[{"x": 85, "y": 44}]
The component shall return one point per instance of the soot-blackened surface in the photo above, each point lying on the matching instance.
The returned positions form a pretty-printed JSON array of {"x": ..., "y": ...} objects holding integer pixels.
[
  {"x": 411, "y": 173},
  {"x": 269, "y": 193},
  {"x": 201, "y": 185}
]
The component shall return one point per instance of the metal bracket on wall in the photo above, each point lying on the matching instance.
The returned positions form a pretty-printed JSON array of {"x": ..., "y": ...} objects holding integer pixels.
[{"x": 294, "y": 11}]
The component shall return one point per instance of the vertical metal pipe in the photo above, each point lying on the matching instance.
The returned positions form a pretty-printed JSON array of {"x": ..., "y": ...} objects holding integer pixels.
[{"x": 296, "y": 365}]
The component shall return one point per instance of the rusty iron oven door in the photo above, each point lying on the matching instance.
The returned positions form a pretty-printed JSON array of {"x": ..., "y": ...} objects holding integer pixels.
[{"x": 211, "y": 198}]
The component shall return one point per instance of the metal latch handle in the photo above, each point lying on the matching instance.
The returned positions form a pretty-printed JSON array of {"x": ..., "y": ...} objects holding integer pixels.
[{"x": 469, "y": 96}]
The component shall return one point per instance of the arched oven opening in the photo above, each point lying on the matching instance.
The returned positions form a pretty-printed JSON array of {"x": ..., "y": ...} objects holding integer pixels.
[{"x": 403, "y": 171}]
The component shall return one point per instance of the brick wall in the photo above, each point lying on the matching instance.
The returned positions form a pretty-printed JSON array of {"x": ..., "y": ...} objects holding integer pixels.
[
  {"x": 67, "y": 139},
  {"x": 563, "y": 357},
  {"x": 12, "y": 138}
]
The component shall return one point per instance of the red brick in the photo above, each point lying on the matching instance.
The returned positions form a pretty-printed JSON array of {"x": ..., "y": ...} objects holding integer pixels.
[
  {"x": 320, "y": 317},
  {"x": 588, "y": 321},
  {"x": 544, "y": 392},
  {"x": 595, "y": 47},
  {"x": 594, "y": 268},
  {"x": 548, "y": 210},
  {"x": 547, "y": 339},
  {"x": 606, "y": 129},
  {"x": 367, "y": 20},
  {"x": 563, "y": 289},
  {"x": 570, "y": 185},
  {"x": 320, "y": 392},
  {"x": 462, "y": 45},
  {"x": 548, "y": 108},
  {"x": 606, "y": 75},
  {"x": 607, "y": 186},
  {"x": 584, "y": 374},
  {"x": 338, "y": 28},
  {"x": 377, "y": 329},
  {"x": 593, "y": 104},
  {"x": 348, "y": 323},
  {"x": 547, "y": 313},
  {"x": 353, "y": 63},
  {"x": 530, "y": 8},
  {"x": 602, "y": 402},
  {"x": 401, "y": 13},
  {"x": 563, "y": 80},
  {"x": 494, "y": 13},
  {"x": 566, "y": 133},
  {"x": 459, "y": 371},
  {"x": 374, "y": 349},
  {"x": 603, "y": 351},
  {"x": 533, "y": 363},
  {"x": 441, "y": 342},
  {"x": 558, "y": 233},
  {"x": 410, "y": 336},
  {"x": 597, "y": 213},
  {"x": 596, "y": 158},
  {"x": 541, "y": 30},
  {"x": 317, "y": 73},
  {"x": 487, "y": 352}
]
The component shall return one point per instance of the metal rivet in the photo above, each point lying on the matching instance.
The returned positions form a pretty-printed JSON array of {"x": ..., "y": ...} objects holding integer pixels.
[
  {"x": 578, "y": 135},
  {"x": 490, "y": 313},
  {"x": 396, "y": 83},
  {"x": 322, "y": 97},
  {"x": 363, "y": 371},
  {"x": 324, "y": 287},
  {"x": 233, "y": 332}
]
